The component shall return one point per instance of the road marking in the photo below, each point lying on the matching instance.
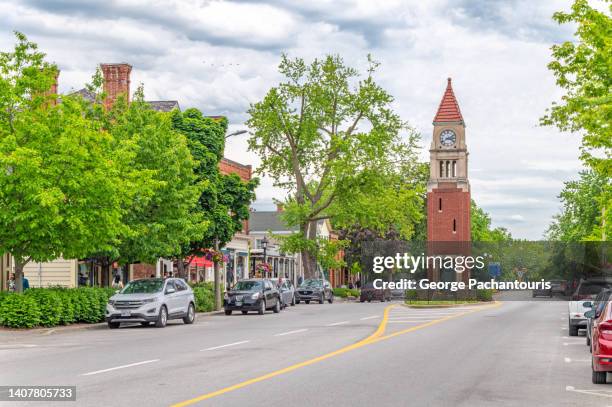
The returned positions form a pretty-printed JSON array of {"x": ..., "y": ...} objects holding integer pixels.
[
  {"x": 574, "y": 343},
  {"x": 413, "y": 316},
  {"x": 292, "y": 332},
  {"x": 120, "y": 367},
  {"x": 17, "y": 345},
  {"x": 375, "y": 337},
  {"x": 373, "y": 316},
  {"x": 338, "y": 323},
  {"x": 409, "y": 320},
  {"x": 224, "y": 346},
  {"x": 569, "y": 360},
  {"x": 591, "y": 392}
]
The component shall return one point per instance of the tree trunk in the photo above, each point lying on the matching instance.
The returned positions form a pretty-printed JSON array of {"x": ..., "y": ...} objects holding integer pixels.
[
  {"x": 309, "y": 260},
  {"x": 19, "y": 265},
  {"x": 181, "y": 269},
  {"x": 217, "y": 281}
]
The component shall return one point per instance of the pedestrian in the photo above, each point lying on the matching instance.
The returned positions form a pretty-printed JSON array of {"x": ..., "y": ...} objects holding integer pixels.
[
  {"x": 117, "y": 284},
  {"x": 358, "y": 284},
  {"x": 165, "y": 275},
  {"x": 25, "y": 283},
  {"x": 11, "y": 282},
  {"x": 230, "y": 278},
  {"x": 300, "y": 280}
]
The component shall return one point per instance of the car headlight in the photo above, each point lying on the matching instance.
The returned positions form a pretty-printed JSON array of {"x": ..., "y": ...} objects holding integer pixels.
[
  {"x": 111, "y": 302},
  {"x": 255, "y": 296},
  {"x": 146, "y": 300}
]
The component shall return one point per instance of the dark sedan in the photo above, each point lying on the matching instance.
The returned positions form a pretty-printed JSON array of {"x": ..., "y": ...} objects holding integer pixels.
[
  {"x": 369, "y": 293},
  {"x": 314, "y": 290},
  {"x": 256, "y": 294}
]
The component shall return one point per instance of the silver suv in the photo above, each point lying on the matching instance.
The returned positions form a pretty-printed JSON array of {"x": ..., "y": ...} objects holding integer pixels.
[{"x": 151, "y": 300}]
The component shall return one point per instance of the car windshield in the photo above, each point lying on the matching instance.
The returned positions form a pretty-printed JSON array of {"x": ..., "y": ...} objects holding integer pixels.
[
  {"x": 311, "y": 283},
  {"x": 248, "y": 286},
  {"x": 592, "y": 288},
  {"x": 153, "y": 285}
]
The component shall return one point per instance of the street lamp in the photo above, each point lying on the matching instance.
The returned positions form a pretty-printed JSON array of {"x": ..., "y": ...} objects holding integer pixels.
[{"x": 264, "y": 246}]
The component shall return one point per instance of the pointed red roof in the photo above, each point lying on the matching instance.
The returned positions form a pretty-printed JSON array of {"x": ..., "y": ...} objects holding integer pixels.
[{"x": 449, "y": 108}]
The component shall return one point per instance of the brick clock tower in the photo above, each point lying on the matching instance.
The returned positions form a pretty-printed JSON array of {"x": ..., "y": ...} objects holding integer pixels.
[{"x": 448, "y": 188}]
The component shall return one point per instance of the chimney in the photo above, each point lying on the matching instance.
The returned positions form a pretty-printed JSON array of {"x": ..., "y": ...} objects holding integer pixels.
[
  {"x": 116, "y": 82},
  {"x": 53, "y": 88}
]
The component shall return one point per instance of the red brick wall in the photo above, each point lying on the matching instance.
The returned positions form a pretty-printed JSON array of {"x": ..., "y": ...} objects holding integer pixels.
[
  {"x": 142, "y": 270},
  {"x": 455, "y": 206}
]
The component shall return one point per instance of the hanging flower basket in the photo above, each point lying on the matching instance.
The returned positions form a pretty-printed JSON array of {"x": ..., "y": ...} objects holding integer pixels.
[
  {"x": 263, "y": 268},
  {"x": 214, "y": 256}
]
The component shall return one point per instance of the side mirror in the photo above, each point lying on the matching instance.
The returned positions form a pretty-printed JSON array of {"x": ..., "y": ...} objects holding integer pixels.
[
  {"x": 587, "y": 304},
  {"x": 170, "y": 290},
  {"x": 590, "y": 314}
]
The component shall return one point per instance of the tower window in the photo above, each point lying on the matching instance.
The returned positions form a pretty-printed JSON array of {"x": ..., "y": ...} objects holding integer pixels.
[
  {"x": 454, "y": 225},
  {"x": 447, "y": 169},
  {"x": 441, "y": 169},
  {"x": 454, "y": 169},
  {"x": 440, "y": 204}
]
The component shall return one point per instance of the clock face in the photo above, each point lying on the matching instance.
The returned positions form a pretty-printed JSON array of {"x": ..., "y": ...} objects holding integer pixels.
[{"x": 448, "y": 138}]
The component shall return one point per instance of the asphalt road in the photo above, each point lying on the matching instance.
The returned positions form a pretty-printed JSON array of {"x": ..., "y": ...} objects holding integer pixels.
[{"x": 513, "y": 353}]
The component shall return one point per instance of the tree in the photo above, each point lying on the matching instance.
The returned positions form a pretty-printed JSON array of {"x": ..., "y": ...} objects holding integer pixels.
[
  {"x": 481, "y": 227},
  {"x": 332, "y": 139},
  {"x": 60, "y": 190},
  {"x": 225, "y": 199},
  {"x": 580, "y": 217},
  {"x": 582, "y": 70},
  {"x": 160, "y": 216}
]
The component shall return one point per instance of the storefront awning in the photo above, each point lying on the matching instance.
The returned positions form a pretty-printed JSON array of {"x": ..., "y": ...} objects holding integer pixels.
[{"x": 201, "y": 262}]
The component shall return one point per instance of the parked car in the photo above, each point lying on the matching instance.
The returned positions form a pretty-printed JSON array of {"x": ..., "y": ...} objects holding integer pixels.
[
  {"x": 542, "y": 292},
  {"x": 586, "y": 291},
  {"x": 369, "y": 293},
  {"x": 314, "y": 290},
  {"x": 597, "y": 306},
  {"x": 558, "y": 286},
  {"x": 287, "y": 292},
  {"x": 601, "y": 344},
  {"x": 151, "y": 300},
  {"x": 256, "y": 294}
]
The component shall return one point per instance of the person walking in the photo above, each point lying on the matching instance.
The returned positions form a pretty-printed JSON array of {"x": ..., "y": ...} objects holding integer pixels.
[
  {"x": 117, "y": 284},
  {"x": 11, "y": 283}
]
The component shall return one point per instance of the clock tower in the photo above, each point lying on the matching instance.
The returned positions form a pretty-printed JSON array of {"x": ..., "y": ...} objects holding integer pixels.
[{"x": 448, "y": 188}]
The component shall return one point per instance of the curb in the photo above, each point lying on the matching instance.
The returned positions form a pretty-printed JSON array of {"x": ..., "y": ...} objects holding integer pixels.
[{"x": 77, "y": 326}]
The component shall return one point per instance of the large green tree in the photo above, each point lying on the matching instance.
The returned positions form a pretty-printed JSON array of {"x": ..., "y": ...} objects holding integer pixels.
[
  {"x": 332, "y": 139},
  {"x": 224, "y": 200},
  {"x": 61, "y": 193},
  {"x": 582, "y": 68}
]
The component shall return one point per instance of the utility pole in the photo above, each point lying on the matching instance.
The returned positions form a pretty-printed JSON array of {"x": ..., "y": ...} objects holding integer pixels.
[{"x": 217, "y": 279}]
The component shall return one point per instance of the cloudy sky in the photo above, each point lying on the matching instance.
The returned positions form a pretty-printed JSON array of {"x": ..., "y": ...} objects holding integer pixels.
[{"x": 220, "y": 56}]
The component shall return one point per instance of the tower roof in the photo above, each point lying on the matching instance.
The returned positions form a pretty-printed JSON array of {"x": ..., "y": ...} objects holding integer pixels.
[{"x": 448, "y": 111}]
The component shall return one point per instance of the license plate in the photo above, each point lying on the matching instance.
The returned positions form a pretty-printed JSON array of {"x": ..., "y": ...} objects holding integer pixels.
[
  {"x": 126, "y": 314},
  {"x": 238, "y": 303},
  {"x": 239, "y": 298}
]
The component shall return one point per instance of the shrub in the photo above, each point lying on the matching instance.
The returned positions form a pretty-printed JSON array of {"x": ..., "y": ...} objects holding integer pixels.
[
  {"x": 49, "y": 304},
  {"x": 411, "y": 295},
  {"x": 67, "y": 311},
  {"x": 19, "y": 311},
  {"x": 346, "y": 292},
  {"x": 484, "y": 295},
  {"x": 205, "y": 299}
]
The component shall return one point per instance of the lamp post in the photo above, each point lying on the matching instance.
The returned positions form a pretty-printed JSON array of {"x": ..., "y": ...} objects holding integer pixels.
[{"x": 264, "y": 246}]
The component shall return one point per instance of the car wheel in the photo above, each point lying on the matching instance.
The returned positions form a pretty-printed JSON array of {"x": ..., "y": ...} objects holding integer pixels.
[
  {"x": 599, "y": 377},
  {"x": 228, "y": 312},
  {"x": 245, "y": 312},
  {"x": 588, "y": 341},
  {"x": 293, "y": 301},
  {"x": 262, "y": 307},
  {"x": 145, "y": 323},
  {"x": 322, "y": 299},
  {"x": 277, "y": 306},
  {"x": 573, "y": 330},
  {"x": 297, "y": 301},
  {"x": 331, "y": 299},
  {"x": 362, "y": 300},
  {"x": 190, "y": 315},
  {"x": 162, "y": 319},
  {"x": 307, "y": 301},
  {"x": 114, "y": 325}
]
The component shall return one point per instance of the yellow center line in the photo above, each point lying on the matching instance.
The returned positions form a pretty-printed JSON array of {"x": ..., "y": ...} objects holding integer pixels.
[{"x": 375, "y": 337}]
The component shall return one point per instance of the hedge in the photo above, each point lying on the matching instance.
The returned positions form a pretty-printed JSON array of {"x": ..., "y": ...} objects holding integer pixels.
[
  {"x": 346, "y": 292},
  {"x": 53, "y": 306}
]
